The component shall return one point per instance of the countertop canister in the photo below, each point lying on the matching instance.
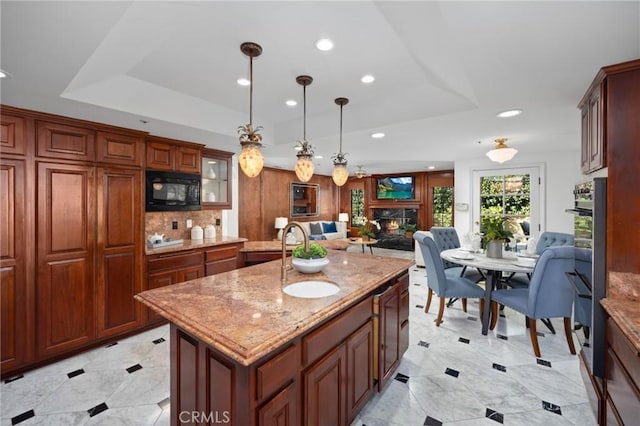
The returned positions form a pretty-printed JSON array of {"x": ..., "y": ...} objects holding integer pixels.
[{"x": 196, "y": 233}]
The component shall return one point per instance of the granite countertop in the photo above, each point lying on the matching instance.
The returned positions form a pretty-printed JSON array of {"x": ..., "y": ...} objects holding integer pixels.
[
  {"x": 626, "y": 314},
  {"x": 194, "y": 244},
  {"x": 251, "y": 246},
  {"x": 245, "y": 314}
]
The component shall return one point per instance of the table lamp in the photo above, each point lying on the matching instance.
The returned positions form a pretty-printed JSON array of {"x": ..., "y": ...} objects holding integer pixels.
[
  {"x": 281, "y": 222},
  {"x": 343, "y": 217}
]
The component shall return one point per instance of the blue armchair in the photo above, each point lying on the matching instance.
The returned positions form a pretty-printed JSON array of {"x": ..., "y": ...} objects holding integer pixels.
[
  {"x": 443, "y": 285},
  {"x": 549, "y": 294}
]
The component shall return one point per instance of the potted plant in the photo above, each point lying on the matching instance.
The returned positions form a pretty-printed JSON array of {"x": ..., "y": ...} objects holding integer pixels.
[
  {"x": 495, "y": 234},
  {"x": 366, "y": 232},
  {"x": 309, "y": 262},
  {"x": 409, "y": 229}
]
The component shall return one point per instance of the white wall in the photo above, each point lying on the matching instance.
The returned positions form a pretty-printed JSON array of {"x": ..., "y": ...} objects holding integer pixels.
[
  {"x": 230, "y": 217},
  {"x": 559, "y": 174}
]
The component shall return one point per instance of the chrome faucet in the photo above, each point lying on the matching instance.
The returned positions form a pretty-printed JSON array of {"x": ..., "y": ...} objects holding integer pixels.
[{"x": 285, "y": 267}]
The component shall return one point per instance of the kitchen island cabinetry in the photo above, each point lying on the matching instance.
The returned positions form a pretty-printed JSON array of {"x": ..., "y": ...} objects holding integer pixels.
[{"x": 308, "y": 361}]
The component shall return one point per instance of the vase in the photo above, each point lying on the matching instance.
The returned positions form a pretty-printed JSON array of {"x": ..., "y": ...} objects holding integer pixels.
[{"x": 494, "y": 249}]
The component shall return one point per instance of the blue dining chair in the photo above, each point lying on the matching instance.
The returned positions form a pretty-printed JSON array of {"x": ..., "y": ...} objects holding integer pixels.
[
  {"x": 549, "y": 294},
  {"x": 445, "y": 286},
  {"x": 547, "y": 239},
  {"x": 446, "y": 238},
  {"x": 582, "y": 305}
]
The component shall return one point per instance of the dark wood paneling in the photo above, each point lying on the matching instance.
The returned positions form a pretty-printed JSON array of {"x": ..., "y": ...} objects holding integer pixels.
[
  {"x": 12, "y": 135},
  {"x": 62, "y": 141},
  {"x": 265, "y": 197}
]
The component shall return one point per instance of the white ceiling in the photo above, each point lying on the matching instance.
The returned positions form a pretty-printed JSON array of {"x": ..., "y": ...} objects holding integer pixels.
[{"x": 443, "y": 70}]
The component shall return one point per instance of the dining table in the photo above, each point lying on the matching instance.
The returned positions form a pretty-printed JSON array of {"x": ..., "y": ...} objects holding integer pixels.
[{"x": 493, "y": 268}]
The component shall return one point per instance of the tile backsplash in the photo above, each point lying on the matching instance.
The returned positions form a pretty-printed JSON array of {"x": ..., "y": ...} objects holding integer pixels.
[{"x": 161, "y": 222}]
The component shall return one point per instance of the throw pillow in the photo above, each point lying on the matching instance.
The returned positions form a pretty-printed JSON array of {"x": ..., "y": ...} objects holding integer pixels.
[
  {"x": 315, "y": 228},
  {"x": 327, "y": 228},
  {"x": 317, "y": 237}
]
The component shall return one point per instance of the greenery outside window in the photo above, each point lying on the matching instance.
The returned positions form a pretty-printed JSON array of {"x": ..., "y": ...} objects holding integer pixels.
[{"x": 442, "y": 206}]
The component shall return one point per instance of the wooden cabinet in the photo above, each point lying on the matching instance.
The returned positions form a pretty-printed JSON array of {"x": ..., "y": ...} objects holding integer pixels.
[
  {"x": 359, "y": 370},
  {"x": 593, "y": 149},
  {"x": 65, "y": 141},
  {"x": 16, "y": 299},
  {"x": 224, "y": 258},
  {"x": 119, "y": 251},
  {"x": 216, "y": 179},
  {"x": 168, "y": 154},
  {"x": 325, "y": 392},
  {"x": 393, "y": 328},
  {"x": 281, "y": 410},
  {"x": 12, "y": 134},
  {"x": 622, "y": 384},
  {"x": 121, "y": 149},
  {"x": 167, "y": 269},
  {"x": 65, "y": 284}
]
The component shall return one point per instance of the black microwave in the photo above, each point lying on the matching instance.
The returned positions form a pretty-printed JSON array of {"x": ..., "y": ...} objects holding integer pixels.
[{"x": 171, "y": 191}]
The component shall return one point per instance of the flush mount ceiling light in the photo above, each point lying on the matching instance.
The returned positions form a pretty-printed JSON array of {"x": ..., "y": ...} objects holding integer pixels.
[
  {"x": 366, "y": 79},
  {"x": 377, "y": 135},
  {"x": 304, "y": 165},
  {"x": 360, "y": 173},
  {"x": 324, "y": 44},
  {"x": 250, "y": 159},
  {"x": 501, "y": 152},
  {"x": 509, "y": 113},
  {"x": 340, "y": 173}
]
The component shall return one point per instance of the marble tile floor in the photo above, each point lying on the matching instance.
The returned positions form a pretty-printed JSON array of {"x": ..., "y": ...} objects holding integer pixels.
[{"x": 451, "y": 375}]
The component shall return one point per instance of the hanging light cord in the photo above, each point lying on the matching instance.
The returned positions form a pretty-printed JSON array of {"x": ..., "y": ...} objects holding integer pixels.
[
  {"x": 341, "y": 128},
  {"x": 250, "y": 90},
  {"x": 304, "y": 122}
]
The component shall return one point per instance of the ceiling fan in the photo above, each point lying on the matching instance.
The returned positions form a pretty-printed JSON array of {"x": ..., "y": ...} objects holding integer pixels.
[{"x": 360, "y": 173}]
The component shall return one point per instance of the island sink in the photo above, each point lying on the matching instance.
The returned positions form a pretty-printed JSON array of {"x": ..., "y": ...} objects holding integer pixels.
[{"x": 311, "y": 289}]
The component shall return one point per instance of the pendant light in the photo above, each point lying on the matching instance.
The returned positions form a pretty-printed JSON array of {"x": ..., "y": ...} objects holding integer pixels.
[
  {"x": 250, "y": 159},
  {"x": 304, "y": 165},
  {"x": 501, "y": 152},
  {"x": 340, "y": 172}
]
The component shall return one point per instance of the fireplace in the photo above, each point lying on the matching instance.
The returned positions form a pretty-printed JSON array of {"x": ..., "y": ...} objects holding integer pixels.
[{"x": 391, "y": 220}]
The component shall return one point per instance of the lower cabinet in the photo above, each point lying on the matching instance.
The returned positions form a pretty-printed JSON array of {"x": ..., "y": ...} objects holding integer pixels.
[
  {"x": 325, "y": 386},
  {"x": 282, "y": 409},
  {"x": 220, "y": 259}
]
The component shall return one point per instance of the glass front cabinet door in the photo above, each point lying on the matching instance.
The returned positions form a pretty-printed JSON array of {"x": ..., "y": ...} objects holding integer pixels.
[{"x": 216, "y": 179}]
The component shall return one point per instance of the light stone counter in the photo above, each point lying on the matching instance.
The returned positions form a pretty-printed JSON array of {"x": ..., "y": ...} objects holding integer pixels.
[
  {"x": 244, "y": 313},
  {"x": 194, "y": 244}
]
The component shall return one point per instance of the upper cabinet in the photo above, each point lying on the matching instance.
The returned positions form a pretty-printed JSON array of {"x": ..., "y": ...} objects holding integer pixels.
[
  {"x": 216, "y": 179},
  {"x": 168, "y": 154},
  {"x": 593, "y": 150},
  {"x": 12, "y": 134}
]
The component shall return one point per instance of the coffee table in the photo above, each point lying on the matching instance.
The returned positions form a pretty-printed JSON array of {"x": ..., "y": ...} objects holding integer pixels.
[{"x": 363, "y": 243}]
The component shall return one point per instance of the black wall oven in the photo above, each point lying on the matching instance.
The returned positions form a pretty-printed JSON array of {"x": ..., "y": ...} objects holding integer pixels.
[{"x": 171, "y": 191}]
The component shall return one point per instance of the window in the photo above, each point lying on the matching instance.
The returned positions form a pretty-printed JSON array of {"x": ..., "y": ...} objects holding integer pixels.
[
  {"x": 357, "y": 207},
  {"x": 442, "y": 206},
  {"x": 510, "y": 193}
]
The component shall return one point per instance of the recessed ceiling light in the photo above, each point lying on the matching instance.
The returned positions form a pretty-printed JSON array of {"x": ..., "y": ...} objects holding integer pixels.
[
  {"x": 366, "y": 79},
  {"x": 509, "y": 113},
  {"x": 4, "y": 74},
  {"x": 291, "y": 103},
  {"x": 324, "y": 44},
  {"x": 319, "y": 157},
  {"x": 431, "y": 167},
  {"x": 377, "y": 135},
  {"x": 243, "y": 82}
]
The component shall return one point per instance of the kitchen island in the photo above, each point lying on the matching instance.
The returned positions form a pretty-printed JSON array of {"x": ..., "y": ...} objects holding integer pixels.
[{"x": 245, "y": 353}]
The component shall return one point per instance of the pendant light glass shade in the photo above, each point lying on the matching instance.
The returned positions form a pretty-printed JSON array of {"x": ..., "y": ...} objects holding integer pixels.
[
  {"x": 304, "y": 165},
  {"x": 250, "y": 159},
  {"x": 340, "y": 173},
  {"x": 501, "y": 152}
]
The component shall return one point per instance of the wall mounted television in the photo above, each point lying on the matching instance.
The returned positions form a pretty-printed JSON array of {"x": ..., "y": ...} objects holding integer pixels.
[{"x": 395, "y": 188}]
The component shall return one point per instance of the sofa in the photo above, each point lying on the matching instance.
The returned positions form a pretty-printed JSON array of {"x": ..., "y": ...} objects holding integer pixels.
[{"x": 322, "y": 230}]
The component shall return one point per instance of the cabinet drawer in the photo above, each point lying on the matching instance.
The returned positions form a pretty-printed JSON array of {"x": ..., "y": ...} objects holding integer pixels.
[
  {"x": 276, "y": 372},
  {"x": 328, "y": 336},
  {"x": 174, "y": 261},
  {"x": 624, "y": 350},
  {"x": 220, "y": 266},
  {"x": 226, "y": 252},
  {"x": 621, "y": 392}
]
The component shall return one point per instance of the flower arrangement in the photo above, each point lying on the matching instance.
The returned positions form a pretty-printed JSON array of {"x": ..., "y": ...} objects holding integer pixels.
[
  {"x": 493, "y": 229},
  {"x": 367, "y": 229}
]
